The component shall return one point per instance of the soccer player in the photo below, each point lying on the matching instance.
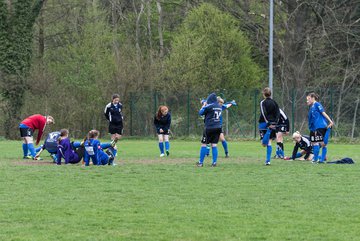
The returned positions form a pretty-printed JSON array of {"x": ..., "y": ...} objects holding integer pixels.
[
  {"x": 113, "y": 113},
  {"x": 283, "y": 127},
  {"x": 67, "y": 151},
  {"x": 94, "y": 151},
  {"x": 50, "y": 144},
  {"x": 302, "y": 142},
  {"x": 320, "y": 126},
  {"x": 269, "y": 118},
  {"x": 27, "y": 128},
  {"x": 212, "y": 112},
  {"x": 162, "y": 122}
]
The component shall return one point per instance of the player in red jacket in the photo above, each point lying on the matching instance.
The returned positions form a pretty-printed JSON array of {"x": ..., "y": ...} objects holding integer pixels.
[{"x": 27, "y": 128}]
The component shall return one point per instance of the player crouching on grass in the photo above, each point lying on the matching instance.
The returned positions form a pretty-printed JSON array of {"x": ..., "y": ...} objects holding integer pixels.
[
  {"x": 212, "y": 112},
  {"x": 302, "y": 142},
  {"x": 162, "y": 122},
  {"x": 283, "y": 127},
  {"x": 27, "y": 128},
  {"x": 72, "y": 153},
  {"x": 50, "y": 144},
  {"x": 320, "y": 127},
  {"x": 269, "y": 118},
  {"x": 94, "y": 151}
]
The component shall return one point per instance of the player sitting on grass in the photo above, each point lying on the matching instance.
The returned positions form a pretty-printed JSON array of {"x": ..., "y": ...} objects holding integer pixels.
[
  {"x": 269, "y": 118},
  {"x": 302, "y": 142},
  {"x": 283, "y": 127},
  {"x": 320, "y": 126},
  {"x": 50, "y": 144},
  {"x": 71, "y": 154},
  {"x": 94, "y": 151},
  {"x": 162, "y": 122},
  {"x": 27, "y": 128},
  {"x": 212, "y": 112}
]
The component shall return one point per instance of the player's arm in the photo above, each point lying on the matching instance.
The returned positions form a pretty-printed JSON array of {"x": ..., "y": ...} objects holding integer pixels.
[
  {"x": 106, "y": 111},
  {"x": 203, "y": 109},
  {"x": 331, "y": 123},
  {"x": 168, "y": 123},
  {"x": 308, "y": 152},
  {"x": 39, "y": 153}
]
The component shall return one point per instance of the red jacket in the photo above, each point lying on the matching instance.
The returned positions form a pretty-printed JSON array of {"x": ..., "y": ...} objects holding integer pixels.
[{"x": 36, "y": 122}]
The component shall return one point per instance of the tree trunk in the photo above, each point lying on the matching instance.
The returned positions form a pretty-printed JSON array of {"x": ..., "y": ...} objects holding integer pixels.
[{"x": 160, "y": 23}]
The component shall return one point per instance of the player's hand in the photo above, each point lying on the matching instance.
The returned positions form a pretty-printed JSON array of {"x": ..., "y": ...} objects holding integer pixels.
[
  {"x": 161, "y": 131},
  {"x": 330, "y": 125},
  {"x": 36, "y": 156},
  {"x": 203, "y": 101},
  {"x": 233, "y": 102}
]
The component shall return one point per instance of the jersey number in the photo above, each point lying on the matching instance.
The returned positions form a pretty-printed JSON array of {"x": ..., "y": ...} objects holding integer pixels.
[{"x": 217, "y": 115}]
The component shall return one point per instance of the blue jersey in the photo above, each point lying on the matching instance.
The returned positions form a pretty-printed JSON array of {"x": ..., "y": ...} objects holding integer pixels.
[
  {"x": 51, "y": 142},
  {"x": 212, "y": 112},
  {"x": 316, "y": 118}
]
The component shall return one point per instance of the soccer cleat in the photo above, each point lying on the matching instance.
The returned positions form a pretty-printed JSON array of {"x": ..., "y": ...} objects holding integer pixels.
[
  {"x": 267, "y": 163},
  {"x": 162, "y": 155},
  {"x": 286, "y": 158},
  {"x": 167, "y": 152},
  {"x": 199, "y": 164},
  {"x": 37, "y": 158},
  {"x": 276, "y": 157},
  {"x": 213, "y": 165},
  {"x": 226, "y": 155},
  {"x": 314, "y": 162},
  {"x": 27, "y": 157}
]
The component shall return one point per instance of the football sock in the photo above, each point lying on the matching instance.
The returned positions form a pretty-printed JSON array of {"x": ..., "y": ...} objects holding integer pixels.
[
  {"x": 207, "y": 150},
  {"x": 268, "y": 153},
  {"x": 214, "y": 154},
  {"x": 323, "y": 154},
  {"x": 266, "y": 137},
  {"x": 113, "y": 150},
  {"x": 31, "y": 148},
  {"x": 25, "y": 149},
  {"x": 225, "y": 145},
  {"x": 202, "y": 154},
  {"x": 39, "y": 148},
  {"x": 280, "y": 147},
  {"x": 298, "y": 155},
  {"x": 105, "y": 145},
  {"x": 161, "y": 147},
  {"x": 327, "y": 136},
  {"x": 316, "y": 152},
  {"x": 167, "y": 145}
]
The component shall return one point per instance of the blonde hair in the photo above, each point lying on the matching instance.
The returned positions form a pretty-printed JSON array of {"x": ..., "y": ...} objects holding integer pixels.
[
  {"x": 50, "y": 118},
  {"x": 296, "y": 134},
  {"x": 220, "y": 100}
]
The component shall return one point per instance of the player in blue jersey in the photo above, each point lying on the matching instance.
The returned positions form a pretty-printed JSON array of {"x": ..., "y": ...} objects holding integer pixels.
[
  {"x": 50, "y": 144},
  {"x": 268, "y": 121},
  {"x": 162, "y": 122},
  {"x": 320, "y": 126},
  {"x": 94, "y": 151},
  {"x": 212, "y": 111}
]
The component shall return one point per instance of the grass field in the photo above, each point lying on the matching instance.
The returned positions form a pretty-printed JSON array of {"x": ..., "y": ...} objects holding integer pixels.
[{"x": 148, "y": 198}]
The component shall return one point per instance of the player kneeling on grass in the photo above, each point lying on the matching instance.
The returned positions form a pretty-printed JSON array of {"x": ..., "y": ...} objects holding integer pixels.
[
  {"x": 94, "y": 151},
  {"x": 320, "y": 127},
  {"x": 50, "y": 145},
  {"x": 162, "y": 122},
  {"x": 283, "y": 127},
  {"x": 27, "y": 128},
  {"x": 212, "y": 112},
  {"x": 269, "y": 118},
  {"x": 302, "y": 142},
  {"x": 72, "y": 153}
]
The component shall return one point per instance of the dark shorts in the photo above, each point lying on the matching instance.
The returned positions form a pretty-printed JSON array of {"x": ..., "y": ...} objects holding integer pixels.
[
  {"x": 282, "y": 128},
  {"x": 318, "y": 135},
  {"x": 116, "y": 128},
  {"x": 26, "y": 132},
  {"x": 164, "y": 133},
  {"x": 80, "y": 152},
  {"x": 211, "y": 136},
  {"x": 272, "y": 135}
]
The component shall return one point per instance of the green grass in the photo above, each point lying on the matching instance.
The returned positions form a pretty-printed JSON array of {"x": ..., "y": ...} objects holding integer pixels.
[{"x": 148, "y": 198}]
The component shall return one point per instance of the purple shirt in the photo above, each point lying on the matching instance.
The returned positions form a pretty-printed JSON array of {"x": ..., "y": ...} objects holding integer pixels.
[{"x": 65, "y": 151}]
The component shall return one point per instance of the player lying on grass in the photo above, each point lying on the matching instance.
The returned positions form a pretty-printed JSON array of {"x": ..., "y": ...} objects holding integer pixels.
[
  {"x": 72, "y": 153},
  {"x": 162, "y": 122},
  {"x": 27, "y": 128},
  {"x": 269, "y": 118},
  {"x": 212, "y": 112},
  {"x": 224, "y": 106},
  {"x": 50, "y": 145},
  {"x": 320, "y": 126},
  {"x": 94, "y": 151},
  {"x": 283, "y": 127},
  {"x": 302, "y": 142}
]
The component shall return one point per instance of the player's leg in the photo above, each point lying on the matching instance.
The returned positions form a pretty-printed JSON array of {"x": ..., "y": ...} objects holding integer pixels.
[
  {"x": 203, "y": 149},
  {"x": 323, "y": 152},
  {"x": 280, "y": 145},
  {"x": 214, "y": 136},
  {"x": 30, "y": 145},
  {"x": 161, "y": 144},
  {"x": 268, "y": 153},
  {"x": 167, "y": 144},
  {"x": 208, "y": 146},
  {"x": 224, "y": 144},
  {"x": 326, "y": 133}
]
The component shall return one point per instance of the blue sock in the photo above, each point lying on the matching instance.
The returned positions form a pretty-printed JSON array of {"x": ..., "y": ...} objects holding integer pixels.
[
  {"x": 202, "y": 154},
  {"x": 25, "y": 149},
  {"x": 214, "y": 154},
  {"x": 225, "y": 145},
  {"x": 31, "y": 148},
  {"x": 161, "y": 147},
  {"x": 39, "y": 148},
  {"x": 266, "y": 137},
  {"x": 323, "y": 153},
  {"x": 298, "y": 155},
  {"x": 316, "y": 150},
  {"x": 268, "y": 153},
  {"x": 207, "y": 150},
  {"x": 167, "y": 145},
  {"x": 105, "y": 145},
  {"x": 327, "y": 136},
  {"x": 76, "y": 144}
]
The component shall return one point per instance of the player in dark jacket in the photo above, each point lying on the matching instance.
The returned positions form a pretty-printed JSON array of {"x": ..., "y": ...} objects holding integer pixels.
[
  {"x": 269, "y": 118},
  {"x": 113, "y": 113},
  {"x": 302, "y": 142},
  {"x": 212, "y": 111},
  {"x": 162, "y": 122}
]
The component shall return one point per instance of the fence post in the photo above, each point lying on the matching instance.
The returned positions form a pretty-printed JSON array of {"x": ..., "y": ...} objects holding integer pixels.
[
  {"x": 331, "y": 108},
  {"x": 188, "y": 112},
  {"x": 155, "y": 101},
  {"x": 131, "y": 113},
  {"x": 293, "y": 110},
  {"x": 227, "y": 122},
  {"x": 255, "y": 112}
]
